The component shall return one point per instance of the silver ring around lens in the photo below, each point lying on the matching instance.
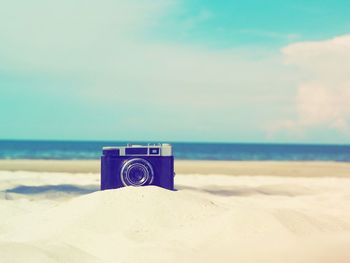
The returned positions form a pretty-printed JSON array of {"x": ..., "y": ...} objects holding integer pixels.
[
  {"x": 142, "y": 168},
  {"x": 137, "y": 163}
]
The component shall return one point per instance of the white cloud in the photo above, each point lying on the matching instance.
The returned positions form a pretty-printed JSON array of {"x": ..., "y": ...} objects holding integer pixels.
[
  {"x": 72, "y": 35},
  {"x": 203, "y": 16},
  {"x": 270, "y": 34},
  {"x": 106, "y": 46},
  {"x": 323, "y": 94}
]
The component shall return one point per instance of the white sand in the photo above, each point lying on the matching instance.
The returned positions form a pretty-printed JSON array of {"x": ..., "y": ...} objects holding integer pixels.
[
  {"x": 251, "y": 168},
  {"x": 53, "y": 217}
]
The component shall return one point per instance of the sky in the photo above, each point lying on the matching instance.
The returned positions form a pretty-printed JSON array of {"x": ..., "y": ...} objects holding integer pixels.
[{"x": 175, "y": 70}]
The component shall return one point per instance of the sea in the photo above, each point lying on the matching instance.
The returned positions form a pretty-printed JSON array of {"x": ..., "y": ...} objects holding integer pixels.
[{"x": 89, "y": 150}]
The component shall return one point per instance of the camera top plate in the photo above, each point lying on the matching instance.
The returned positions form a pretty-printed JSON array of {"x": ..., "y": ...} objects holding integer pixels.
[{"x": 164, "y": 149}]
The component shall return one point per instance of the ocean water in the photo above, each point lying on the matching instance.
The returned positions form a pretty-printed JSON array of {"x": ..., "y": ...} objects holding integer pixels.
[{"x": 84, "y": 150}]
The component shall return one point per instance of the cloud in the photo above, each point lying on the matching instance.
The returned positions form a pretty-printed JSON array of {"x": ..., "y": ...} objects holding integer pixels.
[
  {"x": 203, "y": 16},
  {"x": 106, "y": 44},
  {"x": 270, "y": 34},
  {"x": 323, "y": 95},
  {"x": 72, "y": 36},
  {"x": 122, "y": 75}
]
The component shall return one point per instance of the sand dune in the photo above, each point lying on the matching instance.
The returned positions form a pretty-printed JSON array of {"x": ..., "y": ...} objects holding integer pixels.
[{"x": 53, "y": 217}]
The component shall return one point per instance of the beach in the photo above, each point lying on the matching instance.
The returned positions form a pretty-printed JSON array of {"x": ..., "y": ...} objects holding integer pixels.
[
  {"x": 237, "y": 168},
  {"x": 240, "y": 110},
  {"x": 222, "y": 211}
]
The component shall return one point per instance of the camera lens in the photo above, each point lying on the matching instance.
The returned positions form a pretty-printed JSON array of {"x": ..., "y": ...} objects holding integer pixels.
[{"x": 137, "y": 172}]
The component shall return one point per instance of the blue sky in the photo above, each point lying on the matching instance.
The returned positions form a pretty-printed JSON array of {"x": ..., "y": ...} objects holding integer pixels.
[
  {"x": 242, "y": 23},
  {"x": 237, "y": 71}
]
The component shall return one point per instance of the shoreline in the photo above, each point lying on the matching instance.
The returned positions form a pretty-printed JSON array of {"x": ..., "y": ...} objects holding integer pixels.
[{"x": 234, "y": 168}]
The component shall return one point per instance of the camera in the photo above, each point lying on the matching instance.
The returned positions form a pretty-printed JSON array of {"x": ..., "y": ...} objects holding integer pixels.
[{"x": 137, "y": 165}]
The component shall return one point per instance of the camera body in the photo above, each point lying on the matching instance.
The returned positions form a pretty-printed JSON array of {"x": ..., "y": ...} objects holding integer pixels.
[{"x": 136, "y": 165}]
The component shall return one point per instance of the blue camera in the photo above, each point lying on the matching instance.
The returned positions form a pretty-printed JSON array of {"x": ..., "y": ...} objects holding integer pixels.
[{"x": 136, "y": 165}]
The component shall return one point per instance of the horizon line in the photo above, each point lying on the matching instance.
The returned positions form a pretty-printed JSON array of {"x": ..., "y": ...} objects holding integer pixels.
[{"x": 174, "y": 141}]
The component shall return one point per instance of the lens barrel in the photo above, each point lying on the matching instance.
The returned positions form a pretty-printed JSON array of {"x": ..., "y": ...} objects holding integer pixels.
[{"x": 136, "y": 172}]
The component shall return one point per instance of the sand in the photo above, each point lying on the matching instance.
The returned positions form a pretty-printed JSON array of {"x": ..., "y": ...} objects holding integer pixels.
[
  {"x": 62, "y": 217},
  {"x": 251, "y": 168}
]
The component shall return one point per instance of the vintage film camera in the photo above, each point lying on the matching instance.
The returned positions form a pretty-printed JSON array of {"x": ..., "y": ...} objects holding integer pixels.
[{"x": 136, "y": 165}]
